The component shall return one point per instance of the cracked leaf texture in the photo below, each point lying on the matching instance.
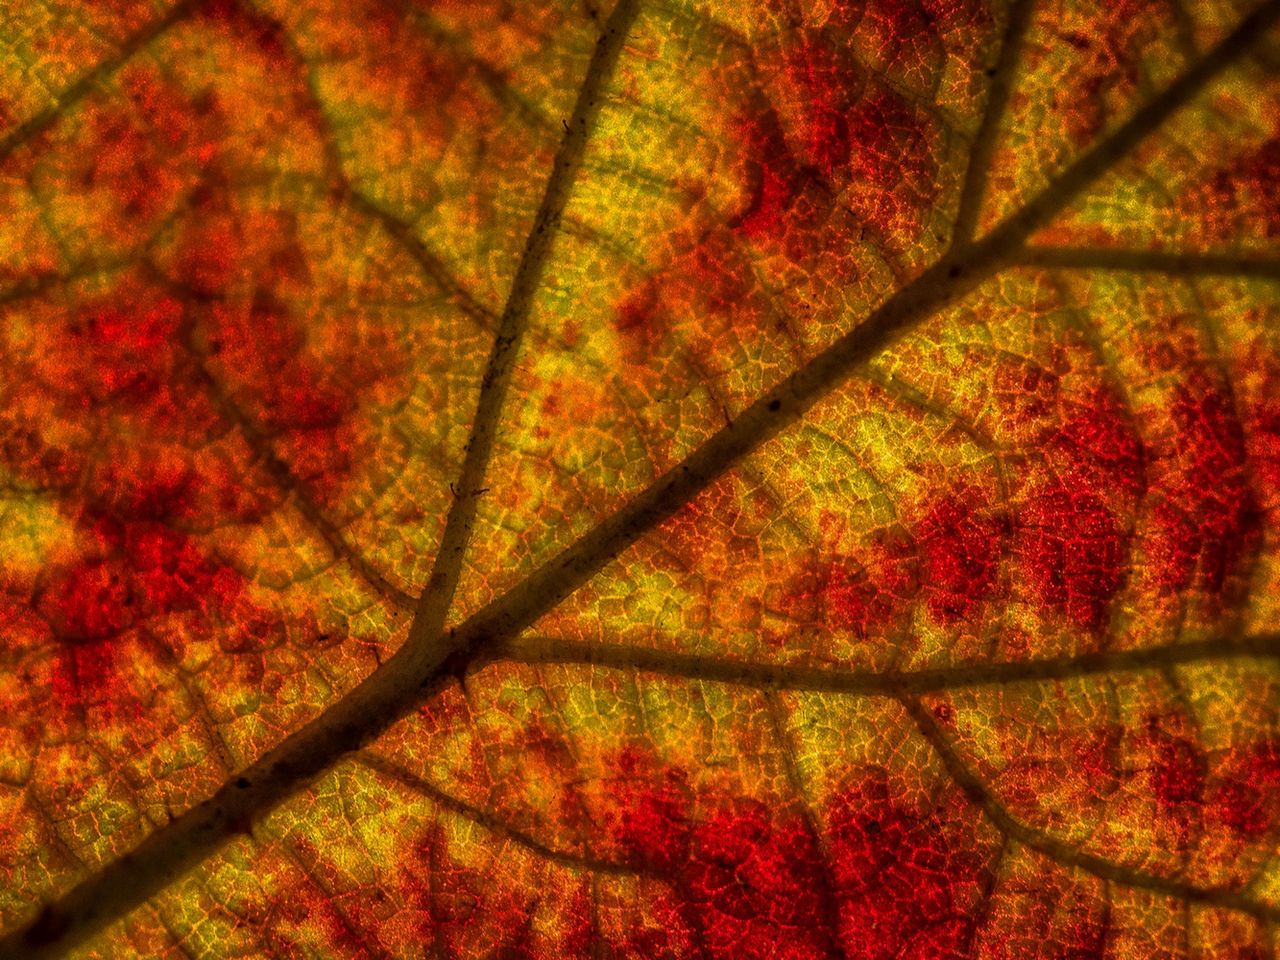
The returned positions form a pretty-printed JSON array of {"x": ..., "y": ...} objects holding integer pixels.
[{"x": 771, "y": 480}]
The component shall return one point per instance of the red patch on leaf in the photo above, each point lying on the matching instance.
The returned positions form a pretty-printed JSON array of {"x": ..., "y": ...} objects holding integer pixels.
[
  {"x": 1255, "y": 175},
  {"x": 898, "y": 881},
  {"x": 758, "y": 887},
  {"x": 1207, "y": 520},
  {"x": 261, "y": 350},
  {"x": 651, "y": 826},
  {"x": 85, "y": 674},
  {"x": 892, "y": 163},
  {"x": 951, "y": 557},
  {"x": 1101, "y": 447},
  {"x": 1259, "y": 172},
  {"x": 413, "y": 69},
  {"x": 646, "y": 812},
  {"x": 1243, "y": 808},
  {"x": 1072, "y": 552},
  {"x": 1177, "y": 772},
  {"x": 123, "y": 354},
  {"x": 640, "y": 321},
  {"x": 581, "y": 939},
  {"x": 90, "y": 601},
  {"x": 140, "y": 570},
  {"x": 862, "y": 594},
  {"x": 146, "y": 151},
  {"x": 709, "y": 278},
  {"x": 1072, "y": 547},
  {"x": 1248, "y": 794},
  {"x": 960, "y": 546},
  {"x": 770, "y": 198},
  {"x": 908, "y": 33},
  {"x": 129, "y": 440},
  {"x": 826, "y": 81},
  {"x": 785, "y": 204},
  {"x": 1264, "y": 447},
  {"x": 856, "y": 132},
  {"x": 907, "y": 886},
  {"x": 899, "y": 23}
]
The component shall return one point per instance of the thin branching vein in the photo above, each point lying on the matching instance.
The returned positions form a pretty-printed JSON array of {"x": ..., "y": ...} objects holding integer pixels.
[
  {"x": 999, "y": 91},
  {"x": 1066, "y": 854},
  {"x": 437, "y": 596}
]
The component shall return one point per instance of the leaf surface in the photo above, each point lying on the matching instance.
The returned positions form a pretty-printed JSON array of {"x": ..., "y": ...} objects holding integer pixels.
[{"x": 766, "y": 481}]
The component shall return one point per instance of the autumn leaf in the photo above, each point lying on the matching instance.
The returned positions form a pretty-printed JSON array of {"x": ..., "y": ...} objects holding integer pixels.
[{"x": 753, "y": 480}]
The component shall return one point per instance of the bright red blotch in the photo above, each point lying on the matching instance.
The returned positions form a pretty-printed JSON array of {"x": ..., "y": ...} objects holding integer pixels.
[
  {"x": 1207, "y": 520},
  {"x": 894, "y": 171},
  {"x": 1071, "y": 546},
  {"x": 759, "y": 888},
  {"x": 1178, "y": 771},
  {"x": 961, "y": 549},
  {"x": 744, "y": 884},
  {"x": 859, "y": 133},
  {"x": 127, "y": 437},
  {"x": 908, "y": 883},
  {"x": 1101, "y": 448},
  {"x": 827, "y": 82},
  {"x": 89, "y": 602},
  {"x": 648, "y": 820},
  {"x": 774, "y": 180},
  {"x": 826, "y": 140},
  {"x": 950, "y": 558},
  {"x": 1072, "y": 551},
  {"x": 124, "y": 349},
  {"x": 1247, "y": 796},
  {"x": 140, "y": 569},
  {"x": 897, "y": 882}
]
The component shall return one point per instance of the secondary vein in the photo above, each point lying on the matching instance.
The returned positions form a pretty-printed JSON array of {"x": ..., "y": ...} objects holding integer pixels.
[
  {"x": 671, "y": 663},
  {"x": 437, "y": 596}
]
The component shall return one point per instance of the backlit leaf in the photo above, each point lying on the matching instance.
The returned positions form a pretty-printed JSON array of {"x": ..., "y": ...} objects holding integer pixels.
[{"x": 769, "y": 480}]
